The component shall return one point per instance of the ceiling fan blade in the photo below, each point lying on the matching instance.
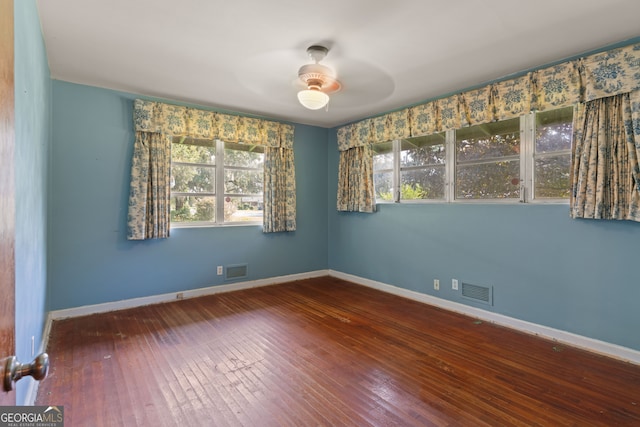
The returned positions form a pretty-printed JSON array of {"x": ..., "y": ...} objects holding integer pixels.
[{"x": 274, "y": 74}]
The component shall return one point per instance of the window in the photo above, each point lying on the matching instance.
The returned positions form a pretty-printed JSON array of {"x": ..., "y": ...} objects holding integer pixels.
[
  {"x": 420, "y": 166},
  {"x": 216, "y": 183},
  {"x": 383, "y": 170},
  {"x": 488, "y": 161},
  {"x": 525, "y": 159},
  {"x": 552, "y": 154}
]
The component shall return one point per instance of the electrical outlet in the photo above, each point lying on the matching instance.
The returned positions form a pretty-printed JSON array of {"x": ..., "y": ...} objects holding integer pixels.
[
  {"x": 219, "y": 270},
  {"x": 436, "y": 284},
  {"x": 454, "y": 284}
]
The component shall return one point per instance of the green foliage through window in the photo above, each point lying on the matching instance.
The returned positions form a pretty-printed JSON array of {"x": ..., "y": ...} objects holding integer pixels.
[
  {"x": 407, "y": 192},
  {"x": 521, "y": 159},
  {"x": 213, "y": 182}
]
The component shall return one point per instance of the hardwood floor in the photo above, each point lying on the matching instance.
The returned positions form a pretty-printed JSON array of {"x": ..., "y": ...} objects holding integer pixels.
[{"x": 324, "y": 352}]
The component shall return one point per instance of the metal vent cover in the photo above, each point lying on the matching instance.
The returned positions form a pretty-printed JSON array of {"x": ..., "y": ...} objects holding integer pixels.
[
  {"x": 478, "y": 293},
  {"x": 237, "y": 271}
]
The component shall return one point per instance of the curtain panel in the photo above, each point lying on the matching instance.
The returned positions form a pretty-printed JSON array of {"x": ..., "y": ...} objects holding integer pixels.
[
  {"x": 605, "y": 173},
  {"x": 149, "y": 191},
  {"x": 355, "y": 180},
  {"x": 279, "y": 190},
  {"x": 155, "y": 125}
]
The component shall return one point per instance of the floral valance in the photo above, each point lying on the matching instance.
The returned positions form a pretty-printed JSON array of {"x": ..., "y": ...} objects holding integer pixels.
[
  {"x": 597, "y": 76},
  {"x": 157, "y": 117}
]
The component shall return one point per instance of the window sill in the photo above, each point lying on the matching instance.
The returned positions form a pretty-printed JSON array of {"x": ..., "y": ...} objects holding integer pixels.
[
  {"x": 478, "y": 202},
  {"x": 212, "y": 225}
]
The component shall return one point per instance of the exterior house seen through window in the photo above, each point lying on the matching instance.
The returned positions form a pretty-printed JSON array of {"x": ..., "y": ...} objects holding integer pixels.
[
  {"x": 525, "y": 159},
  {"x": 216, "y": 183}
]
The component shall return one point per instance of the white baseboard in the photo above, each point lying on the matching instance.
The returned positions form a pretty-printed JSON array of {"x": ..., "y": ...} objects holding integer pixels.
[
  {"x": 590, "y": 344},
  {"x": 173, "y": 296},
  {"x": 32, "y": 390}
]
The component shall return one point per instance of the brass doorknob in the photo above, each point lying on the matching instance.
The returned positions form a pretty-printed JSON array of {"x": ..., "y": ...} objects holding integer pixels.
[{"x": 14, "y": 370}]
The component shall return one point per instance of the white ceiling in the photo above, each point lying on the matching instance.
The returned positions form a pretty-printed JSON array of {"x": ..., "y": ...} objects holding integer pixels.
[{"x": 243, "y": 55}]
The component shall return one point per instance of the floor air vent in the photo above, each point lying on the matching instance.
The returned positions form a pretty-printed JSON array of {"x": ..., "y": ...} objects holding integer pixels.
[
  {"x": 477, "y": 293},
  {"x": 238, "y": 271}
]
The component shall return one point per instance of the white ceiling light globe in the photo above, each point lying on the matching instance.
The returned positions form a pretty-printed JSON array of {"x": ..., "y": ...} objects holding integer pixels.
[{"x": 313, "y": 99}]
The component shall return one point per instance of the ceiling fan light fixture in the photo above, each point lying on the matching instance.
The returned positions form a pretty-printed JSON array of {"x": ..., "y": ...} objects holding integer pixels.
[
  {"x": 319, "y": 79},
  {"x": 313, "y": 99}
]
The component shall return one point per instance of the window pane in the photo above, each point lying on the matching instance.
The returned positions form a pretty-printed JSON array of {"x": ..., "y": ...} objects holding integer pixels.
[
  {"x": 551, "y": 172},
  {"x": 382, "y": 156},
  {"x": 250, "y": 156},
  {"x": 423, "y": 184},
  {"x": 423, "y": 150},
  {"x": 552, "y": 176},
  {"x": 193, "y": 179},
  {"x": 193, "y": 208},
  {"x": 383, "y": 171},
  {"x": 553, "y": 130},
  {"x": 383, "y": 183},
  {"x": 498, "y": 180},
  {"x": 243, "y": 208},
  {"x": 238, "y": 181},
  {"x": 190, "y": 152},
  {"x": 488, "y": 141}
]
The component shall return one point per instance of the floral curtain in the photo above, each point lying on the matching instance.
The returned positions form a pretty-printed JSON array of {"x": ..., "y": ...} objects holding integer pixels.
[
  {"x": 600, "y": 75},
  {"x": 512, "y": 98},
  {"x": 156, "y": 123},
  {"x": 556, "y": 87},
  {"x": 477, "y": 107},
  {"x": 355, "y": 180},
  {"x": 605, "y": 174},
  {"x": 150, "y": 186},
  {"x": 279, "y": 190},
  {"x": 611, "y": 73},
  {"x": 355, "y": 171},
  {"x": 175, "y": 120},
  {"x": 449, "y": 113},
  {"x": 424, "y": 119}
]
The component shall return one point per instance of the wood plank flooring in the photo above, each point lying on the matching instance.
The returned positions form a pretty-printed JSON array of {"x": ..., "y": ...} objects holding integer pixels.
[{"x": 324, "y": 352}]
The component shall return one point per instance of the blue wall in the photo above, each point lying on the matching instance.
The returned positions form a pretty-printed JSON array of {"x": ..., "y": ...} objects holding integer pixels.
[
  {"x": 545, "y": 268},
  {"x": 91, "y": 261},
  {"x": 33, "y": 106},
  {"x": 578, "y": 276}
]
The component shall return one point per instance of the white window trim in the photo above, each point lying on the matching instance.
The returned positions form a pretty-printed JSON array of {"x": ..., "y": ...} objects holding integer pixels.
[
  {"x": 219, "y": 189},
  {"x": 527, "y": 171},
  {"x": 529, "y": 150}
]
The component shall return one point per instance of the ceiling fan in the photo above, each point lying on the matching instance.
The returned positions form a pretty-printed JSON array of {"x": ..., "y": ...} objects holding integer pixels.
[
  {"x": 278, "y": 74},
  {"x": 319, "y": 80}
]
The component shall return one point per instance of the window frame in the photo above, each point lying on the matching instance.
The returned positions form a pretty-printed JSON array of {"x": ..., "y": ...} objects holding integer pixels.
[
  {"x": 426, "y": 167},
  {"x": 454, "y": 166},
  {"x": 527, "y": 158},
  {"x": 529, "y": 173},
  {"x": 219, "y": 194},
  {"x": 395, "y": 174}
]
